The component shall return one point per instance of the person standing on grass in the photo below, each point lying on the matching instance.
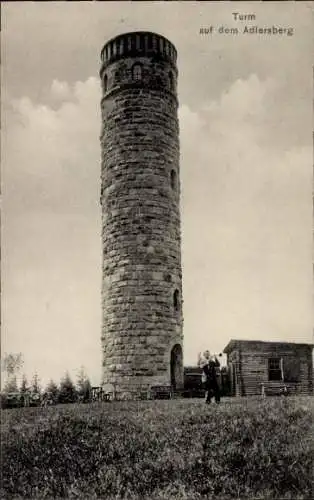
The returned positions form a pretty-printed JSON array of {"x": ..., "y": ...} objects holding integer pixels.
[{"x": 209, "y": 364}]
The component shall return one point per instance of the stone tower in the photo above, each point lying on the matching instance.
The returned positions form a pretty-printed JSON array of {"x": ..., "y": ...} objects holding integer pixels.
[{"x": 140, "y": 198}]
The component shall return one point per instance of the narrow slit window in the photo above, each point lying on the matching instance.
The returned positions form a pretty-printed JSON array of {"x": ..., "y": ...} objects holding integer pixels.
[
  {"x": 105, "y": 83},
  {"x": 171, "y": 82},
  {"x": 173, "y": 179},
  {"x": 176, "y": 304}
]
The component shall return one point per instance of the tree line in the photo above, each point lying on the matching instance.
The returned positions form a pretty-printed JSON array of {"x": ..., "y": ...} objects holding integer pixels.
[{"x": 66, "y": 391}]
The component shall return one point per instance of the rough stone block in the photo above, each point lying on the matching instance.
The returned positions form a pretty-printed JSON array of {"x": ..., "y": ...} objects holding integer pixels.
[{"x": 141, "y": 237}]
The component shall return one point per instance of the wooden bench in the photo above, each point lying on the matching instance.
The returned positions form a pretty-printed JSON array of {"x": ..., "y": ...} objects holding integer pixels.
[
  {"x": 161, "y": 392},
  {"x": 280, "y": 389}
]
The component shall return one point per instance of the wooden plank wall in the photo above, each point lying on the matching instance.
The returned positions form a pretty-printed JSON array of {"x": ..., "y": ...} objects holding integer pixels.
[
  {"x": 254, "y": 371},
  {"x": 248, "y": 367}
]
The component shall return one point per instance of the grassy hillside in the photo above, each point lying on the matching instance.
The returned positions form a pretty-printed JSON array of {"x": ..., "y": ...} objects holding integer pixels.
[{"x": 244, "y": 448}]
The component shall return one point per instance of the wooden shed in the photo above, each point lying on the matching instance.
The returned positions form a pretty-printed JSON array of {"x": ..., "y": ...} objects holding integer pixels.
[{"x": 255, "y": 366}]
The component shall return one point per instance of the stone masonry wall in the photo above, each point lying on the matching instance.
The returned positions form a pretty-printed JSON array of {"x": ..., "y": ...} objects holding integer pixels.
[{"x": 140, "y": 198}]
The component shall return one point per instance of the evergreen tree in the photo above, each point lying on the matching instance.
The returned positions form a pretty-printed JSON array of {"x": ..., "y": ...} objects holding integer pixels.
[
  {"x": 24, "y": 384},
  {"x": 35, "y": 386},
  {"x": 68, "y": 393},
  {"x": 11, "y": 385},
  {"x": 83, "y": 384},
  {"x": 52, "y": 391}
]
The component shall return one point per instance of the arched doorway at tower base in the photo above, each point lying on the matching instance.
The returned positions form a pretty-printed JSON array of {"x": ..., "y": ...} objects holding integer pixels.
[{"x": 176, "y": 367}]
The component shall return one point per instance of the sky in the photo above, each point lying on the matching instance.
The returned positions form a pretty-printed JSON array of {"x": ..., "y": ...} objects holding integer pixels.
[{"x": 245, "y": 111}]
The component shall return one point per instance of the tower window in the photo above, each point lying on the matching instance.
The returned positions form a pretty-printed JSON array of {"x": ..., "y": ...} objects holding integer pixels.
[
  {"x": 137, "y": 72},
  {"x": 105, "y": 83},
  {"x": 176, "y": 304},
  {"x": 173, "y": 179}
]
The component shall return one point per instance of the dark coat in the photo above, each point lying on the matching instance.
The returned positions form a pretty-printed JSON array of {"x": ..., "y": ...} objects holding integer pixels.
[{"x": 210, "y": 369}]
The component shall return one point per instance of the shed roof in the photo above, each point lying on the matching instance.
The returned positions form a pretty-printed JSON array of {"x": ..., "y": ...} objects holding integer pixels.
[{"x": 236, "y": 344}]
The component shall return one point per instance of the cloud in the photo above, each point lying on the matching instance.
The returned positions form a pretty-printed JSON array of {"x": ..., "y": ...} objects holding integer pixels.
[
  {"x": 51, "y": 231},
  {"x": 246, "y": 204},
  {"x": 51, "y": 155},
  {"x": 60, "y": 90},
  {"x": 224, "y": 142},
  {"x": 246, "y": 217}
]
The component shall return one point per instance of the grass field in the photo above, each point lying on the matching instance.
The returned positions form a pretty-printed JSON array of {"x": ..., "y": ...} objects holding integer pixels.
[{"x": 243, "y": 448}]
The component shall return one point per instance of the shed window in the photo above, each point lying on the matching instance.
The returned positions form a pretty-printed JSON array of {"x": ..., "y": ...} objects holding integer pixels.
[
  {"x": 137, "y": 72},
  {"x": 176, "y": 304},
  {"x": 275, "y": 369}
]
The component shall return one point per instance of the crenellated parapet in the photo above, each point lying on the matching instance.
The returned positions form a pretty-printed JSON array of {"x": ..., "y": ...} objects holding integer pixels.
[
  {"x": 139, "y": 59},
  {"x": 141, "y": 43}
]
